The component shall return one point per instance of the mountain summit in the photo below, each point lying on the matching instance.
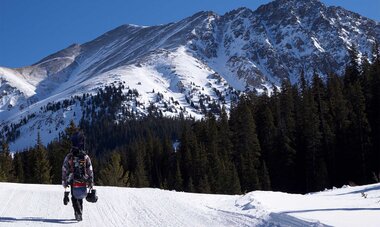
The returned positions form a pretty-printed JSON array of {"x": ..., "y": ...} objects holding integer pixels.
[{"x": 187, "y": 66}]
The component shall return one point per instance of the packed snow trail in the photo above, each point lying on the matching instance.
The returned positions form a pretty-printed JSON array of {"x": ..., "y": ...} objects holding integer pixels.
[{"x": 42, "y": 205}]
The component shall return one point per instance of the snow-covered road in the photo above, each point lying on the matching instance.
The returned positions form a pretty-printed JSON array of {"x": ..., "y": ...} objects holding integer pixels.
[{"x": 41, "y": 205}]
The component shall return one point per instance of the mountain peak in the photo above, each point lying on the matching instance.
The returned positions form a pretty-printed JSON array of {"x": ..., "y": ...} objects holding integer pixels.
[
  {"x": 243, "y": 11},
  {"x": 190, "y": 63},
  {"x": 297, "y": 1},
  {"x": 302, "y": 2},
  {"x": 291, "y": 4},
  {"x": 208, "y": 13}
]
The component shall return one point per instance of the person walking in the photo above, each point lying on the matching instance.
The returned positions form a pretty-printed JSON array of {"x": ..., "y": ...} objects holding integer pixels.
[{"x": 77, "y": 173}]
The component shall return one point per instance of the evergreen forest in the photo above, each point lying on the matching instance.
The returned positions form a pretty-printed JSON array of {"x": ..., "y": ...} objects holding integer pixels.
[{"x": 305, "y": 137}]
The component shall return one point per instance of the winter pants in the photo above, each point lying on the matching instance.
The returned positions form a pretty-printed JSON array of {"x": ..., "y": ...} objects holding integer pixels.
[{"x": 77, "y": 203}]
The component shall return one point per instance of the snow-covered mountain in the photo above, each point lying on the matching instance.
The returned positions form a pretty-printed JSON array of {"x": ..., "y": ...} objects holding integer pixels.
[
  {"x": 41, "y": 205},
  {"x": 201, "y": 60}
]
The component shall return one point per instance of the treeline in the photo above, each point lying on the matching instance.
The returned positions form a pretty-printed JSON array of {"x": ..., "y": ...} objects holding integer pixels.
[
  {"x": 304, "y": 137},
  {"x": 30, "y": 166}
]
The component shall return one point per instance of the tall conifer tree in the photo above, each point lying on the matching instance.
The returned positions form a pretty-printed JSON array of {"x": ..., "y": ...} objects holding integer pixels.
[
  {"x": 246, "y": 146},
  {"x": 6, "y": 167},
  {"x": 113, "y": 174},
  {"x": 42, "y": 165}
]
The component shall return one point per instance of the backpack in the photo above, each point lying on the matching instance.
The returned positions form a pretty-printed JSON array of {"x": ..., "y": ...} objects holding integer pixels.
[
  {"x": 78, "y": 170},
  {"x": 78, "y": 167}
]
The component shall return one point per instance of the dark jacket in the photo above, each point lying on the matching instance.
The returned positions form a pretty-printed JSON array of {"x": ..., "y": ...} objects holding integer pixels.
[{"x": 67, "y": 168}]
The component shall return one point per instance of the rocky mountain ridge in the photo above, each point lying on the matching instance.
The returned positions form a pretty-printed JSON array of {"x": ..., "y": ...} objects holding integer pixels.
[{"x": 188, "y": 66}]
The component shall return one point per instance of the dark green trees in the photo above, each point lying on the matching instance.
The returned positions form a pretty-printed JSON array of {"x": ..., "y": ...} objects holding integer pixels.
[
  {"x": 306, "y": 137},
  {"x": 6, "y": 167},
  {"x": 247, "y": 149},
  {"x": 41, "y": 165},
  {"x": 139, "y": 176},
  {"x": 358, "y": 128},
  {"x": 337, "y": 107},
  {"x": 277, "y": 136},
  {"x": 230, "y": 182},
  {"x": 372, "y": 96},
  {"x": 113, "y": 174}
]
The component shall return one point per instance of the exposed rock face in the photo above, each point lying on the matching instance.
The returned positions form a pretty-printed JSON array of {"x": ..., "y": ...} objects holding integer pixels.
[{"x": 279, "y": 39}]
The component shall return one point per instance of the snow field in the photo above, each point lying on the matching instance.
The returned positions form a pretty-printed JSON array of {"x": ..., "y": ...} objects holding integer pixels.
[{"x": 41, "y": 205}]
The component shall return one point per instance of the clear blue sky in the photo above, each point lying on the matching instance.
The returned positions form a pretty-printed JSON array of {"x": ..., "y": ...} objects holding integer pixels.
[{"x": 33, "y": 29}]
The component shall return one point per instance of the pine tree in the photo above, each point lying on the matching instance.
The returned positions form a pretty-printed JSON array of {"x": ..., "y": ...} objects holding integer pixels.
[
  {"x": 178, "y": 182},
  {"x": 28, "y": 161},
  {"x": 246, "y": 146},
  {"x": 327, "y": 135},
  {"x": 113, "y": 174},
  {"x": 174, "y": 178},
  {"x": 282, "y": 158},
  {"x": 230, "y": 183},
  {"x": 6, "y": 167},
  {"x": 264, "y": 177},
  {"x": 267, "y": 137},
  {"x": 233, "y": 181},
  {"x": 352, "y": 73},
  {"x": 139, "y": 176},
  {"x": 149, "y": 159},
  {"x": 266, "y": 129},
  {"x": 373, "y": 108},
  {"x": 299, "y": 119},
  {"x": 3, "y": 177},
  {"x": 190, "y": 186},
  {"x": 214, "y": 161},
  {"x": 337, "y": 105},
  {"x": 359, "y": 129},
  {"x": 309, "y": 136},
  {"x": 200, "y": 171},
  {"x": 187, "y": 149},
  {"x": 41, "y": 166},
  {"x": 285, "y": 118},
  {"x": 204, "y": 185},
  {"x": 359, "y": 133},
  {"x": 157, "y": 179},
  {"x": 19, "y": 168},
  {"x": 165, "y": 161}
]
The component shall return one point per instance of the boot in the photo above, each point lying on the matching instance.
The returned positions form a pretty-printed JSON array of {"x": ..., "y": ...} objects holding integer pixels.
[{"x": 78, "y": 217}]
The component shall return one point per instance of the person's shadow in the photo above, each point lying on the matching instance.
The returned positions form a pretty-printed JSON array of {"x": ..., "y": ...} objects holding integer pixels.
[{"x": 37, "y": 219}]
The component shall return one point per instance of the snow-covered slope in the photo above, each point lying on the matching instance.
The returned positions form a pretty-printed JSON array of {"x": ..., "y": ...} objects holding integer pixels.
[
  {"x": 203, "y": 57},
  {"x": 41, "y": 205}
]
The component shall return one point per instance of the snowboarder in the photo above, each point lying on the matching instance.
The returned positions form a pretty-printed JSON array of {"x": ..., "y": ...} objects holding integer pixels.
[{"x": 78, "y": 174}]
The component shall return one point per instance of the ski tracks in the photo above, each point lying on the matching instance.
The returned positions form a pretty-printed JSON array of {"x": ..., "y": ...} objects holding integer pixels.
[
  {"x": 41, "y": 205},
  {"x": 154, "y": 207}
]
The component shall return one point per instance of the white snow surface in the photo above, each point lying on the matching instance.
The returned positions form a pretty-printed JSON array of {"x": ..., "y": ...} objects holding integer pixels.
[
  {"x": 41, "y": 205},
  {"x": 15, "y": 79},
  {"x": 174, "y": 74}
]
